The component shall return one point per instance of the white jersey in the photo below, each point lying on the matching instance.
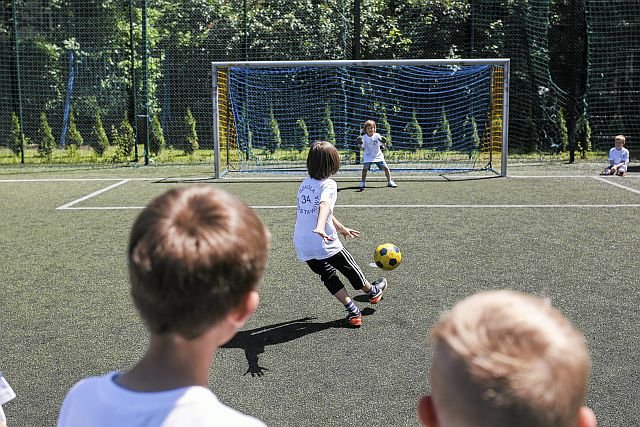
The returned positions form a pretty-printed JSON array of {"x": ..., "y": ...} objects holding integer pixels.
[
  {"x": 371, "y": 147},
  {"x": 101, "y": 402},
  {"x": 6, "y": 394},
  {"x": 310, "y": 245},
  {"x": 619, "y": 156}
]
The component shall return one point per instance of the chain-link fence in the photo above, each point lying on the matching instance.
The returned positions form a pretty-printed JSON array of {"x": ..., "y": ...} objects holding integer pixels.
[{"x": 84, "y": 79}]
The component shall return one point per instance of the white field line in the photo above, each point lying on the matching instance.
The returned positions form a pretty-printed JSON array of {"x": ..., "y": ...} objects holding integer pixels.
[
  {"x": 569, "y": 206},
  {"x": 8, "y": 181},
  {"x": 615, "y": 184},
  {"x": 88, "y": 196}
]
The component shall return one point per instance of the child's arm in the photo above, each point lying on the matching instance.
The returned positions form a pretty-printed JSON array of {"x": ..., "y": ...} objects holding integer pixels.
[
  {"x": 345, "y": 231},
  {"x": 323, "y": 214}
]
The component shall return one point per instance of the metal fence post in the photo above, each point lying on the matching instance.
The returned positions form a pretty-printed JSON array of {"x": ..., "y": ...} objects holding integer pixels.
[{"x": 17, "y": 49}]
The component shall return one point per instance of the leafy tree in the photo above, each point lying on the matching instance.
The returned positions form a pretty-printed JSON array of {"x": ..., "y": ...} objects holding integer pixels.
[
  {"x": 101, "y": 141},
  {"x": 156, "y": 140},
  {"x": 301, "y": 29},
  {"x": 301, "y": 135},
  {"x": 192, "y": 136},
  {"x": 46, "y": 141}
]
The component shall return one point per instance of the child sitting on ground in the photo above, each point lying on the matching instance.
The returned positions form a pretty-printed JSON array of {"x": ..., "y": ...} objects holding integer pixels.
[{"x": 618, "y": 157}]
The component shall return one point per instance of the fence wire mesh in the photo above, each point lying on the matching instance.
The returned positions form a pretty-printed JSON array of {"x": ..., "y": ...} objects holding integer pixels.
[{"x": 96, "y": 79}]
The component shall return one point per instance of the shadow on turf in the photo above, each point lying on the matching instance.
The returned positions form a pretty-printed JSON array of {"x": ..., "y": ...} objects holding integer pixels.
[{"x": 254, "y": 341}]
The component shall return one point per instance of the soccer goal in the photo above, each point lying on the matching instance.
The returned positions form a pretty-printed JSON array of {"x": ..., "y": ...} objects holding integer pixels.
[{"x": 436, "y": 115}]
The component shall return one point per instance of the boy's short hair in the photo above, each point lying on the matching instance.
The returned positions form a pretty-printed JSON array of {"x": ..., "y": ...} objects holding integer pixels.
[
  {"x": 621, "y": 137},
  {"x": 323, "y": 160},
  {"x": 194, "y": 253},
  {"x": 503, "y": 358}
]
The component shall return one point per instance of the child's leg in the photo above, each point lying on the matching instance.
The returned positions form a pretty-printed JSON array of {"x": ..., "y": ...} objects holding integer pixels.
[
  {"x": 329, "y": 276},
  {"x": 345, "y": 263},
  {"x": 365, "y": 169},
  {"x": 387, "y": 173}
]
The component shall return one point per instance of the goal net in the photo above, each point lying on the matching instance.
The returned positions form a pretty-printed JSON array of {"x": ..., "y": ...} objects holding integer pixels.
[{"x": 436, "y": 115}]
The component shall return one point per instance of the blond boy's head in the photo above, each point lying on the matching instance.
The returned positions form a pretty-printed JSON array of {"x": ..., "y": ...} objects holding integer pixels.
[
  {"x": 503, "y": 358},
  {"x": 620, "y": 140}
]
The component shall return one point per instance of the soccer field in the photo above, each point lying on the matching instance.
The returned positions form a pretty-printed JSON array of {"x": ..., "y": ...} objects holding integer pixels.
[{"x": 560, "y": 231}]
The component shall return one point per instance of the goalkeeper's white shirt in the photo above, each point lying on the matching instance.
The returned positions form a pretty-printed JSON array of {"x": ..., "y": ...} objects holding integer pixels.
[
  {"x": 310, "y": 245},
  {"x": 619, "y": 156},
  {"x": 101, "y": 402},
  {"x": 371, "y": 146}
]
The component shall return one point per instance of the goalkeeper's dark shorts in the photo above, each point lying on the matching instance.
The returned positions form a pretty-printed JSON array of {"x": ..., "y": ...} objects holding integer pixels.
[{"x": 344, "y": 263}]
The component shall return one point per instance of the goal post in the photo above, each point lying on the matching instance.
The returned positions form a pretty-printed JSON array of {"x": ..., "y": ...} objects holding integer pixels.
[{"x": 442, "y": 115}]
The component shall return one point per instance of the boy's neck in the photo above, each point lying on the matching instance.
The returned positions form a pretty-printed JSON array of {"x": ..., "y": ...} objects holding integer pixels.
[{"x": 171, "y": 362}]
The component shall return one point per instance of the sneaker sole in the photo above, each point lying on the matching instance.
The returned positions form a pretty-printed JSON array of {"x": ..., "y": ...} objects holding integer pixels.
[
  {"x": 375, "y": 300},
  {"x": 356, "y": 322}
]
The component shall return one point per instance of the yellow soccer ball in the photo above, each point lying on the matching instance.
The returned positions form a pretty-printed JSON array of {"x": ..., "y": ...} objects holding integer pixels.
[{"x": 387, "y": 256}]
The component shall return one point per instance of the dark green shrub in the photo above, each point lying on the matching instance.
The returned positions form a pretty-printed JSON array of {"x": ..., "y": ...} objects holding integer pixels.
[
  {"x": 301, "y": 135},
  {"x": 124, "y": 140},
  {"x": 192, "y": 136},
  {"x": 15, "y": 141},
  {"x": 156, "y": 140},
  {"x": 73, "y": 134},
  {"x": 583, "y": 136},
  {"x": 384, "y": 128},
  {"x": 442, "y": 137},
  {"x": 46, "y": 141},
  {"x": 563, "y": 136},
  {"x": 414, "y": 130},
  {"x": 101, "y": 141},
  {"x": 276, "y": 140},
  {"x": 327, "y": 125}
]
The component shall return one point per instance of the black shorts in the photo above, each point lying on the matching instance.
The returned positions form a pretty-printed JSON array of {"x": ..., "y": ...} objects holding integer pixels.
[{"x": 344, "y": 263}]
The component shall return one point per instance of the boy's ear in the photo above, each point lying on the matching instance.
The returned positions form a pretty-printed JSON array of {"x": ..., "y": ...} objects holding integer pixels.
[
  {"x": 245, "y": 309},
  {"x": 427, "y": 413},
  {"x": 586, "y": 418}
]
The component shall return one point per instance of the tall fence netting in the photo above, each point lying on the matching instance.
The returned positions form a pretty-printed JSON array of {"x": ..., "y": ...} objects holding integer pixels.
[{"x": 92, "y": 70}]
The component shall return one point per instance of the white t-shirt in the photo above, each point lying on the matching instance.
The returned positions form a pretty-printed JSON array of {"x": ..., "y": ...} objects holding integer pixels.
[
  {"x": 310, "y": 245},
  {"x": 619, "y": 156},
  {"x": 101, "y": 402},
  {"x": 6, "y": 394},
  {"x": 371, "y": 147}
]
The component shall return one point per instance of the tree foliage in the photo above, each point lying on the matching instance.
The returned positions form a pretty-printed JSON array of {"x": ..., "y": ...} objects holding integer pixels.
[{"x": 77, "y": 53}]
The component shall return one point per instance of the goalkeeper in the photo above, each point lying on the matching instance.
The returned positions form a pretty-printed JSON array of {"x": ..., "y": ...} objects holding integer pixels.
[{"x": 373, "y": 144}]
